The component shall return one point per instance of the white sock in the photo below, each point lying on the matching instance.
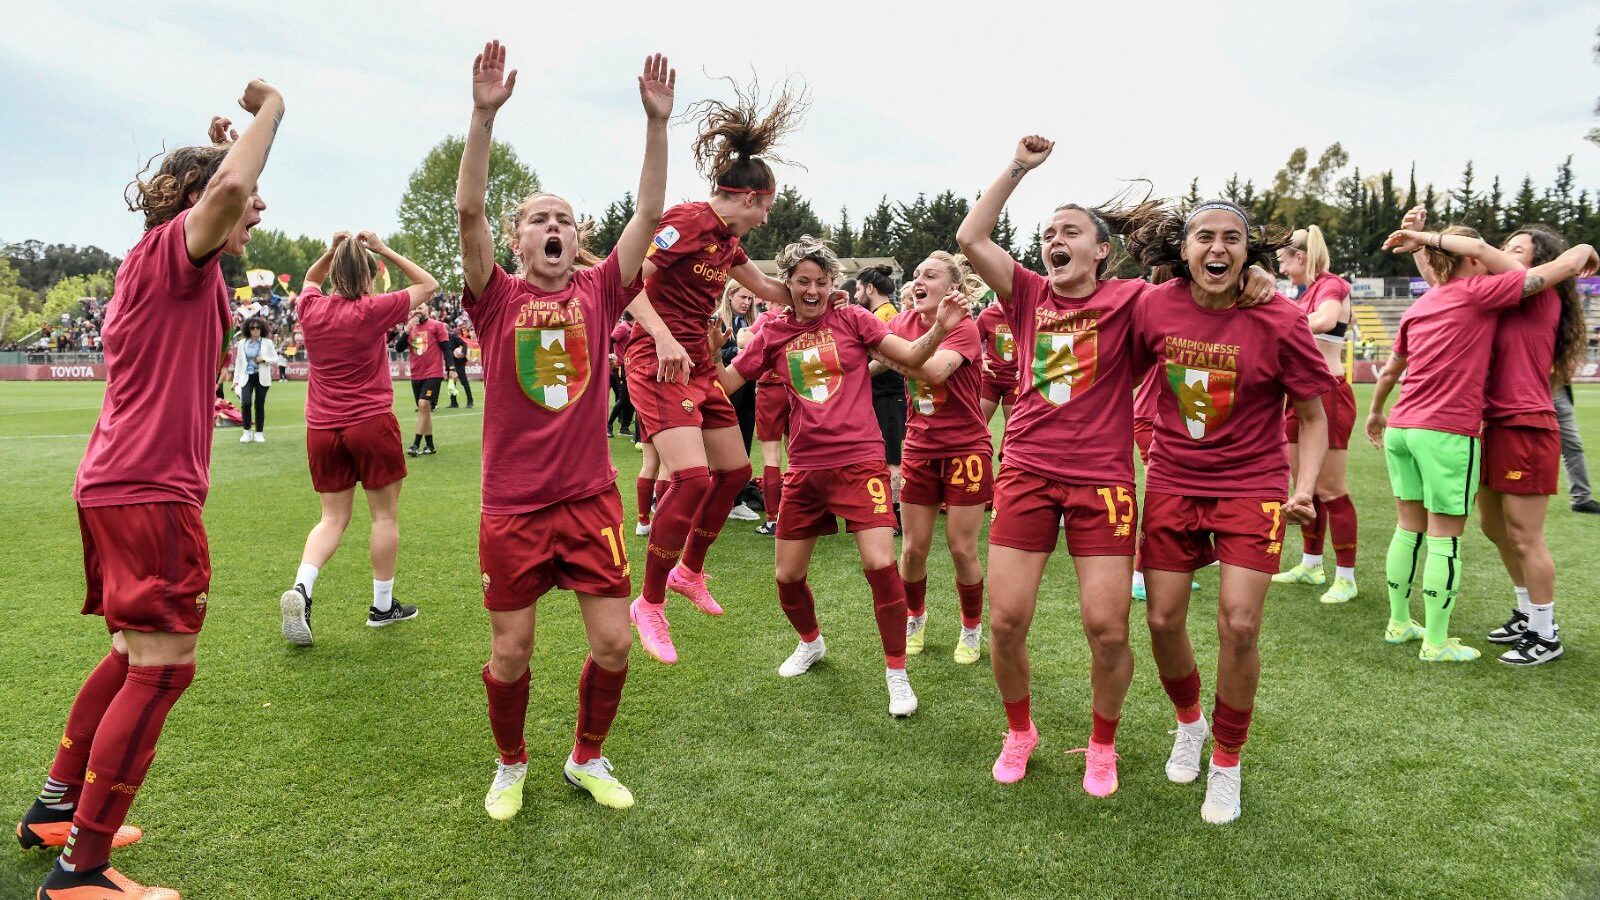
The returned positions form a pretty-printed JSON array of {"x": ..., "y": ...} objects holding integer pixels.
[
  {"x": 1543, "y": 620},
  {"x": 306, "y": 577},
  {"x": 889, "y": 672},
  {"x": 1524, "y": 605},
  {"x": 1311, "y": 560},
  {"x": 1138, "y": 580},
  {"x": 1346, "y": 572},
  {"x": 382, "y": 595}
]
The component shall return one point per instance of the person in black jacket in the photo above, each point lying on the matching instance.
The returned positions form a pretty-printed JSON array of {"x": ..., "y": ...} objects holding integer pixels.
[
  {"x": 455, "y": 365},
  {"x": 737, "y": 312}
]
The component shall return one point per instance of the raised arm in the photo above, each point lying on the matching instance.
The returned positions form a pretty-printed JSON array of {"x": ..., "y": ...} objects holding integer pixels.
[
  {"x": 655, "y": 92},
  {"x": 752, "y": 279},
  {"x": 423, "y": 285},
  {"x": 1580, "y": 261},
  {"x": 226, "y": 195},
  {"x": 318, "y": 272},
  {"x": 1416, "y": 219},
  {"x": 491, "y": 88},
  {"x": 991, "y": 261}
]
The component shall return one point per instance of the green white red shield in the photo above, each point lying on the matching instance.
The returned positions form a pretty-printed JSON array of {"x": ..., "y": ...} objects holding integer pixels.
[
  {"x": 1063, "y": 364},
  {"x": 815, "y": 372},
  {"x": 926, "y": 399},
  {"x": 1005, "y": 343},
  {"x": 1205, "y": 398},
  {"x": 553, "y": 364}
]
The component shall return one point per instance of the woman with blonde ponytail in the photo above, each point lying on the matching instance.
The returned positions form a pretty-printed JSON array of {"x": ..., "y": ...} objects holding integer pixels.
[
  {"x": 1325, "y": 299},
  {"x": 947, "y": 453}
]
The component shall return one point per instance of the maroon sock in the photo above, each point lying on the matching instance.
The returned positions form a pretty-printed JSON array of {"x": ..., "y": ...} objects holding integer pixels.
[
  {"x": 1311, "y": 534},
  {"x": 508, "y": 710},
  {"x": 801, "y": 608},
  {"x": 889, "y": 608},
  {"x": 1104, "y": 730},
  {"x": 971, "y": 603},
  {"x": 1229, "y": 729},
  {"x": 916, "y": 596},
  {"x": 599, "y": 692},
  {"x": 124, "y": 747},
  {"x": 1342, "y": 523},
  {"x": 1185, "y": 695},
  {"x": 772, "y": 490},
  {"x": 1018, "y": 715},
  {"x": 644, "y": 495},
  {"x": 726, "y": 485},
  {"x": 678, "y": 508},
  {"x": 72, "y": 754},
  {"x": 660, "y": 491}
]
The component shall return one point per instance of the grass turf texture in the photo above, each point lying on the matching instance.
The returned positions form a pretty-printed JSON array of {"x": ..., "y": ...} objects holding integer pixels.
[{"x": 357, "y": 768}]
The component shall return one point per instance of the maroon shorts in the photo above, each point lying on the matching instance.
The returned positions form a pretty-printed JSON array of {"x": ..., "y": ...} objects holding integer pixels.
[
  {"x": 1003, "y": 393},
  {"x": 576, "y": 546},
  {"x": 1183, "y": 534},
  {"x": 701, "y": 403},
  {"x": 1144, "y": 432},
  {"x": 1029, "y": 509},
  {"x": 148, "y": 566},
  {"x": 1340, "y": 405},
  {"x": 367, "y": 452},
  {"x": 772, "y": 412},
  {"x": 1521, "y": 459},
  {"x": 857, "y": 493},
  {"x": 965, "y": 480}
]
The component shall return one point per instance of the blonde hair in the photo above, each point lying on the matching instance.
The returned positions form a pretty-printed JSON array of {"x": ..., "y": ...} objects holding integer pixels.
[
  {"x": 814, "y": 249},
  {"x": 905, "y": 301},
  {"x": 1445, "y": 264},
  {"x": 1309, "y": 240},
  {"x": 961, "y": 275},
  {"x": 584, "y": 259},
  {"x": 352, "y": 270},
  {"x": 725, "y": 307}
]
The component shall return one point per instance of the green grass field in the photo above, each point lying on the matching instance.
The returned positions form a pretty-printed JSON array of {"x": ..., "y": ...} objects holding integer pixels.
[{"x": 357, "y": 769}]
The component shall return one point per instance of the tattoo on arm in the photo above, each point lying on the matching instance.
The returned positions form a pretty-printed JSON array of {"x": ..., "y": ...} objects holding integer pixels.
[
  {"x": 488, "y": 124},
  {"x": 1533, "y": 284},
  {"x": 1017, "y": 170}
]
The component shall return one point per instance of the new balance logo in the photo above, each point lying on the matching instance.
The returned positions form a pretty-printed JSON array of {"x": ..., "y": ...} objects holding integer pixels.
[{"x": 1513, "y": 475}]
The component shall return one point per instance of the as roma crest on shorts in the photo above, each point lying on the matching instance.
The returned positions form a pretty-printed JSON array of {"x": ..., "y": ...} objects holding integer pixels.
[
  {"x": 1005, "y": 343},
  {"x": 815, "y": 372},
  {"x": 553, "y": 364},
  {"x": 926, "y": 399},
  {"x": 1063, "y": 364},
  {"x": 1205, "y": 398}
]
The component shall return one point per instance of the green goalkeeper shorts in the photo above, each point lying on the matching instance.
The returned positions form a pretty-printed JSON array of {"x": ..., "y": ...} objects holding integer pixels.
[{"x": 1436, "y": 467}]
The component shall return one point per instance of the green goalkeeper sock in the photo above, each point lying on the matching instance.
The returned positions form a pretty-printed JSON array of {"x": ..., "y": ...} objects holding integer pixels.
[
  {"x": 1401, "y": 569},
  {"x": 1440, "y": 583}
]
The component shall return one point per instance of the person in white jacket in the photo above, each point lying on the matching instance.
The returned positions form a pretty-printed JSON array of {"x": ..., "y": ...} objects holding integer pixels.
[{"x": 253, "y": 358}]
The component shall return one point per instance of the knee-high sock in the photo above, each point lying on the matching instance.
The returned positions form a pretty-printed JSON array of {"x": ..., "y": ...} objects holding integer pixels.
[
  {"x": 772, "y": 490},
  {"x": 917, "y": 596},
  {"x": 801, "y": 608},
  {"x": 508, "y": 711},
  {"x": 644, "y": 491},
  {"x": 1230, "y": 727},
  {"x": 726, "y": 485},
  {"x": 599, "y": 693},
  {"x": 1311, "y": 534},
  {"x": 1185, "y": 695},
  {"x": 971, "y": 603},
  {"x": 72, "y": 754},
  {"x": 1440, "y": 583},
  {"x": 124, "y": 747},
  {"x": 889, "y": 608},
  {"x": 1342, "y": 524},
  {"x": 678, "y": 508},
  {"x": 1405, "y": 557}
]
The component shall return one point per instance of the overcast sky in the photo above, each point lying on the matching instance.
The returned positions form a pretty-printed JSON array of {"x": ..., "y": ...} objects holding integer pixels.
[{"x": 908, "y": 97}]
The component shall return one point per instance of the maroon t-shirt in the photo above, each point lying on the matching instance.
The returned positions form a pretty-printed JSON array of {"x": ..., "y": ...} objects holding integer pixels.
[
  {"x": 544, "y": 365},
  {"x": 347, "y": 346},
  {"x": 999, "y": 347},
  {"x": 163, "y": 340},
  {"x": 1447, "y": 338},
  {"x": 824, "y": 366},
  {"x": 427, "y": 356},
  {"x": 1524, "y": 355},
  {"x": 944, "y": 420},
  {"x": 692, "y": 251},
  {"x": 1074, "y": 419},
  {"x": 1222, "y": 376}
]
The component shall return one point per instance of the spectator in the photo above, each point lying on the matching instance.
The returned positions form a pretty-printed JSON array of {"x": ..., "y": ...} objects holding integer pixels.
[{"x": 253, "y": 359}]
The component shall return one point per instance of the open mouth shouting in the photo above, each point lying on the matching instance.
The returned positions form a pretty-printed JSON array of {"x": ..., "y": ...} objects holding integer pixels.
[
  {"x": 1059, "y": 260},
  {"x": 552, "y": 250},
  {"x": 1216, "y": 269}
]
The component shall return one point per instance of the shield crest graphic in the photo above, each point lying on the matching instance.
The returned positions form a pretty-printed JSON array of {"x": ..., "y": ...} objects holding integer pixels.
[
  {"x": 926, "y": 398},
  {"x": 1205, "y": 398},
  {"x": 553, "y": 364},
  {"x": 1005, "y": 343},
  {"x": 1063, "y": 364},
  {"x": 815, "y": 372}
]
